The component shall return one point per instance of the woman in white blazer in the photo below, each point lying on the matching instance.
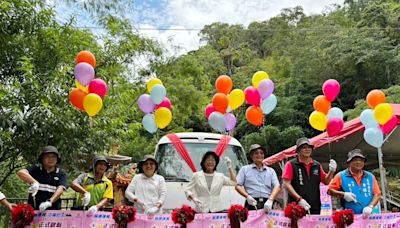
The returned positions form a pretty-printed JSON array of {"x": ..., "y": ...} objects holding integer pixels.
[{"x": 205, "y": 186}]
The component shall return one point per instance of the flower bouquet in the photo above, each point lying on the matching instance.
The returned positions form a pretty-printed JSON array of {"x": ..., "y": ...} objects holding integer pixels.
[
  {"x": 183, "y": 215},
  {"x": 294, "y": 212},
  {"x": 236, "y": 214},
  {"x": 22, "y": 215},
  {"x": 343, "y": 218},
  {"x": 123, "y": 214}
]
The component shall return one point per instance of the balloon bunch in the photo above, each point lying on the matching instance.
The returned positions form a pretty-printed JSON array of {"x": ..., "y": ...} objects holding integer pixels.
[
  {"x": 260, "y": 97},
  {"x": 219, "y": 113},
  {"x": 325, "y": 116},
  {"x": 89, "y": 91},
  {"x": 378, "y": 120},
  {"x": 156, "y": 106}
]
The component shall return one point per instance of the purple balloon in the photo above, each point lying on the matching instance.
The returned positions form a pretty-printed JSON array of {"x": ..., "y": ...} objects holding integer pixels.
[
  {"x": 230, "y": 121},
  {"x": 266, "y": 88},
  {"x": 84, "y": 73},
  {"x": 145, "y": 103}
]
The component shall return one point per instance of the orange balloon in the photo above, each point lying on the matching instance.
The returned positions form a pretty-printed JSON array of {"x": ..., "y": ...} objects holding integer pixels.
[
  {"x": 375, "y": 97},
  {"x": 254, "y": 115},
  {"x": 223, "y": 84},
  {"x": 87, "y": 57},
  {"x": 76, "y": 97},
  {"x": 220, "y": 102},
  {"x": 322, "y": 104}
]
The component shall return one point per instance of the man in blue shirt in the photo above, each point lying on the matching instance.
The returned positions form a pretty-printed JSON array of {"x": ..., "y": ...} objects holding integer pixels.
[{"x": 258, "y": 182}]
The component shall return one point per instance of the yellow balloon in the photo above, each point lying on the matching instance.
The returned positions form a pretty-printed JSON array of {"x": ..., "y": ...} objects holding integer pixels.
[
  {"x": 257, "y": 77},
  {"x": 92, "y": 104},
  {"x": 163, "y": 117},
  {"x": 153, "y": 82},
  {"x": 383, "y": 113},
  {"x": 318, "y": 120},
  {"x": 81, "y": 87},
  {"x": 236, "y": 98}
]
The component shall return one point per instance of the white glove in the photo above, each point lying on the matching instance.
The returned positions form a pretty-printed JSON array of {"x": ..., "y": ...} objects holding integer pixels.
[
  {"x": 152, "y": 210},
  {"x": 33, "y": 189},
  {"x": 198, "y": 203},
  {"x": 332, "y": 165},
  {"x": 43, "y": 206},
  {"x": 2, "y": 196},
  {"x": 228, "y": 162},
  {"x": 86, "y": 199},
  {"x": 304, "y": 204},
  {"x": 366, "y": 212},
  {"x": 92, "y": 210},
  {"x": 350, "y": 197},
  {"x": 251, "y": 201},
  {"x": 268, "y": 205}
]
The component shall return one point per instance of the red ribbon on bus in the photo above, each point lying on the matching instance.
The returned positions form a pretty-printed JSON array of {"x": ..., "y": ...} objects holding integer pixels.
[
  {"x": 180, "y": 147},
  {"x": 222, "y": 145}
]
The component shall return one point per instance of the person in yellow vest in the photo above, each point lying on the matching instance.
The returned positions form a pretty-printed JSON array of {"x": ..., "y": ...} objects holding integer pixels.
[{"x": 94, "y": 187}]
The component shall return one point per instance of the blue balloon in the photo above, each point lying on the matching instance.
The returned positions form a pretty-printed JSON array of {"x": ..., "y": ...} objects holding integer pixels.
[
  {"x": 374, "y": 136},
  {"x": 269, "y": 104},
  {"x": 368, "y": 119},
  {"x": 335, "y": 112},
  {"x": 217, "y": 121},
  {"x": 149, "y": 123},
  {"x": 158, "y": 92}
]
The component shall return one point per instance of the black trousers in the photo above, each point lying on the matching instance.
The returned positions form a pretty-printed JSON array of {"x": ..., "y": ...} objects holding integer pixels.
[{"x": 260, "y": 204}]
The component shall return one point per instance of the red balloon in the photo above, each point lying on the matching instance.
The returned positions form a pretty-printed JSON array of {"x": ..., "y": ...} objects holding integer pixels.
[
  {"x": 164, "y": 103},
  {"x": 223, "y": 84},
  {"x": 335, "y": 125},
  {"x": 209, "y": 109},
  {"x": 76, "y": 97},
  {"x": 220, "y": 102},
  {"x": 252, "y": 96},
  {"x": 98, "y": 87},
  {"x": 254, "y": 115}
]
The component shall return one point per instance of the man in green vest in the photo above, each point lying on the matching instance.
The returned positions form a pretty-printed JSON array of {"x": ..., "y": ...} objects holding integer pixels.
[{"x": 94, "y": 187}]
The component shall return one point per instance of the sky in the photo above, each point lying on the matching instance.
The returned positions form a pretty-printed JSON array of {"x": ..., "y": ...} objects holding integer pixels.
[{"x": 152, "y": 17}]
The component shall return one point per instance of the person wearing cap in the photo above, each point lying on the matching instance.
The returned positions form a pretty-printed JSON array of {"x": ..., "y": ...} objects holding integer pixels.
[
  {"x": 5, "y": 202},
  {"x": 147, "y": 189},
  {"x": 303, "y": 175},
  {"x": 205, "y": 186},
  {"x": 257, "y": 182},
  {"x": 94, "y": 187},
  {"x": 357, "y": 188},
  {"x": 47, "y": 181}
]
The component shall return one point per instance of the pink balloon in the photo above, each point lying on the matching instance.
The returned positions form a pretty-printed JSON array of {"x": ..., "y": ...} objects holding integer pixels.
[
  {"x": 164, "y": 103},
  {"x": 98, "y": 87},
  {"x": 331, "y": 89},
  {"x": 209, "y": 109},
  {"x": 335, "y": 125},
  {"x": 388, "y": 127},
  {"x": 252, "y": 96}
]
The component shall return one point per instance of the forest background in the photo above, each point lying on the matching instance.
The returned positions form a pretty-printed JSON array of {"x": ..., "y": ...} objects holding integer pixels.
[{"x": 356, "y": 43}]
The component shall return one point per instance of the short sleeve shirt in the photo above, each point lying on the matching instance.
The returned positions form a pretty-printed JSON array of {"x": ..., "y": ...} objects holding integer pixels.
[
  {"x": 288, "y": 171},
  {"x": 48, "y": 185},
  {"x": 98, "y": 189},
  {"x": 336, "y": 183},
  {"x": 257, "y": 183}
]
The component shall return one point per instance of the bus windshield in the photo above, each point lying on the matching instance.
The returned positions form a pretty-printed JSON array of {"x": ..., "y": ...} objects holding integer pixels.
[{"x": 173, "y": 168}]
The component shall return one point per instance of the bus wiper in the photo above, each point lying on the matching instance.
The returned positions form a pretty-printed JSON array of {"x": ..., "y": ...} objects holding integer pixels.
[{"x": 174, "y": 178}]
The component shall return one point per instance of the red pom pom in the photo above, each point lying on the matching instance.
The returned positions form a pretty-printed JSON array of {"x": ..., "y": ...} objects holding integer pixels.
[
  {"x": 294, "y": 212},
  {"x": 123, "y": 214},
  {"x": 183, "y": 215},
  {"x": 236, "y": 214},
  {"x": 343, "y": 218},
  {"x": 22, "y": 215}
]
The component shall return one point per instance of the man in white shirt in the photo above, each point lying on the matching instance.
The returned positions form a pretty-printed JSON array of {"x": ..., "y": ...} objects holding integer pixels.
[{"x": 147, "y": 189}]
